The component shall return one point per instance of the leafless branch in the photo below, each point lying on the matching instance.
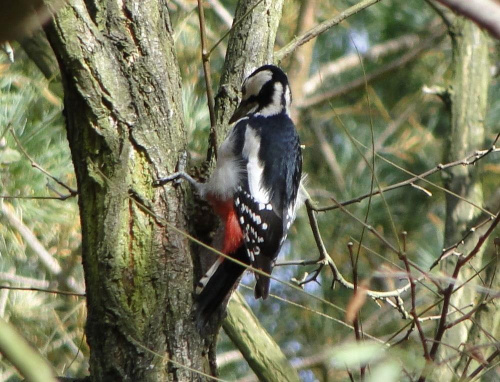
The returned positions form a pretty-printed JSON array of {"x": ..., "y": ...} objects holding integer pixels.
[
  {"x": 360, "y": 82},
  {"x": 490, "y": 359},
  {"x": 337, "y": 276},
  {"x": 469, "y": 160},
  {"x": 61, "y": 198},
  {"x": 212, "y": 148},
  {"x": 72, "y": 191},
  {"x": 451, "y": 250},
  {"x": 413, "y": 310},
  {"x": 48, "y": 261},
  {"x": 318, "y": 29},
  {"x": 450, "y": 289},
  {"x": 55, "y": 291},
  {"x": 351, "y": 60}
]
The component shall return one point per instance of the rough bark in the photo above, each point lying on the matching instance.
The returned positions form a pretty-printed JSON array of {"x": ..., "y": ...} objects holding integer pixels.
[
  {"x": 251, "y": 45},
  {"x": 125, "y": 129},
  {"x": 467, "y": 102}
]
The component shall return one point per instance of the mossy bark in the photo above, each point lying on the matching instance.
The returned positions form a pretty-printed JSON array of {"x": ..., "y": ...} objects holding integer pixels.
[{"x": 125, "y": 129}]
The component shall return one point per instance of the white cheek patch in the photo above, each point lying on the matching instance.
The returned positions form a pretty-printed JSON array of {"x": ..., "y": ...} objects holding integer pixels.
[
  {"x": 254, "y": 84},
  {"x": 255, "y": 168},
  {"x": 288, "y": 99},
  {"x": 276, "y": 106}
]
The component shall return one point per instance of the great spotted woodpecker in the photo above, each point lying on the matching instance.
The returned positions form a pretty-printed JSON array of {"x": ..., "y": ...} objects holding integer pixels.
[{"x": 254, "y": 187}]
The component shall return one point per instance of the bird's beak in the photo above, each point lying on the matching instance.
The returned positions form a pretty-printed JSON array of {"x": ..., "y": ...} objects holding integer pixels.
[{"x": 243, "y": 109}]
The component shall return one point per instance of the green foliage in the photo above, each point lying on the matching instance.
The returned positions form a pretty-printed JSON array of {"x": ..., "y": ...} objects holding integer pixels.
[{"x": 31, "y": 124}]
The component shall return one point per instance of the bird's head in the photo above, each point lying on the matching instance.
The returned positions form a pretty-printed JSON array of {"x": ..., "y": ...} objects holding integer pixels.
[{"x": 265, "y": 92}]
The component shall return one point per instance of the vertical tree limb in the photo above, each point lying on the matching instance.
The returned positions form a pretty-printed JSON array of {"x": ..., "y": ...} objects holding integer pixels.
[
  {"x": 468, "y": 100},
  {"x": 125, "y": 128},
  {"x": 251, "y": 45}
]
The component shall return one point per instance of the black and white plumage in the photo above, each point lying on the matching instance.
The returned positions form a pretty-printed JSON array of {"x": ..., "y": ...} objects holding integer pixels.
[
  {"x": 254, "y": 187},
  {"x": 260, "y": 168}
]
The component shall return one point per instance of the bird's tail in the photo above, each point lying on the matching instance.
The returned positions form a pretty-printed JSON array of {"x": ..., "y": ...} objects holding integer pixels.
[
  {"x": 215, "y": 285},
  {"x": 262, "y": 286}
]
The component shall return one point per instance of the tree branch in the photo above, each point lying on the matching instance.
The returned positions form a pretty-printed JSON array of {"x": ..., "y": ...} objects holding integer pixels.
[
  {"x": 29, "y": 363},
  {"x": 467, "y": 161},
  {"x": 351, "y": 60},
  {"x": 485, "y": 13},
  {"x": 317, "y": 30},
  {"x": 374, "y": 75},
  {"x": 258, "y": 348}
]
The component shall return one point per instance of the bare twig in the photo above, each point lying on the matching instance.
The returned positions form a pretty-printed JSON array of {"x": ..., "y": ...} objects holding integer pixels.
[
  {"x": 212, "y": 148},
  {"x": 318, "y": 29},
  {"x": 413, "y": 310},
  {"x": 34, "y": 289},
  {"x": 61, "y": 198},
  {"x": 72, "y": 191},
  {"x": 451, "y": 249},
  {"x": 48, "y": 261},
  {"x": 450, "y": 289},
  {"x": 490, "y": 359},
  {"x": 469, "y": 160},
  {"x": 360, "y": 82},
  {"x": 350, "y": 61},
  {"x": 337, "y": 276}
]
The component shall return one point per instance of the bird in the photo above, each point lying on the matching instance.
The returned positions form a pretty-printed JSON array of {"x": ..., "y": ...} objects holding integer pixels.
[{"x": 254, "y": 188}]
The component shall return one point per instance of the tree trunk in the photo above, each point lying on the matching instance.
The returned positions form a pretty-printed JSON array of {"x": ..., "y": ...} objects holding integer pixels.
[
  {"x": 468, "y": 100},
  {"x": 125, "y": 129}
]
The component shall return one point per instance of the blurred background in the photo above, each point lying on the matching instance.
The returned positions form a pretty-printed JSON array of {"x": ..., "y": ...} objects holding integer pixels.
[{"x": 371, "y": 78}]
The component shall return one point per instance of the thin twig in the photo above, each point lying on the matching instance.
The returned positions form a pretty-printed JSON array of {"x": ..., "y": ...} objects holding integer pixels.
[
  {"x": 72, "y": 191},
  {"x": 375, "y": 74},
  {"x": 61, "y": 198},
  {"x": 495, "y": 354},
  {"x": 234, "y": 25},
  {"x": 449, "y": 291},
  {"x": 54, "y": 291},
  {"x": 467, "y": 161},
  {"x": 413, "y": 310},
  {"x": 336, "y": 273},
  {"x": 212, "y": 142},
  {"x": 451, "y": 249},
  {"x": 318, "y": 29}
]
